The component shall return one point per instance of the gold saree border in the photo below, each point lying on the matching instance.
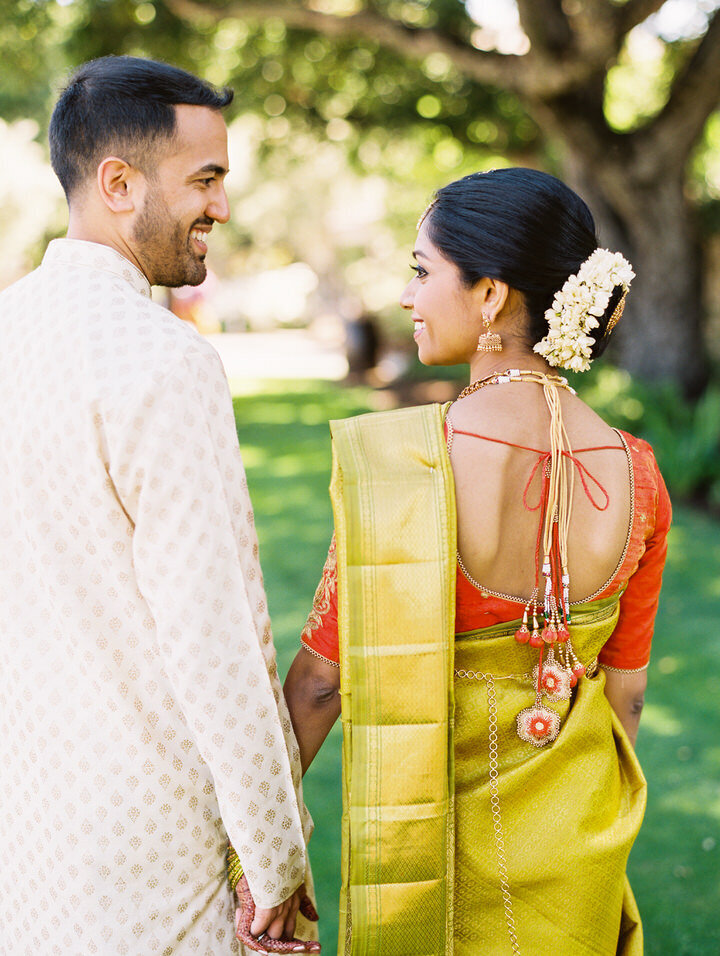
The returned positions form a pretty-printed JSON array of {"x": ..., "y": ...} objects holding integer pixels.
[{"x": 395, "y": 523}]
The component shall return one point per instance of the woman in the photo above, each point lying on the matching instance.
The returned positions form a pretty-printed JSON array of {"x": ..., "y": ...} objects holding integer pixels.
[{"x": 488, "y": 603}]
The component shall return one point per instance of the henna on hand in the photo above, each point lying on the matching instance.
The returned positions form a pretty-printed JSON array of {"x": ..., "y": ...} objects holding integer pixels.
[
  {"x": 308, "y": 910},
  {"x": 245, "y": 915}
]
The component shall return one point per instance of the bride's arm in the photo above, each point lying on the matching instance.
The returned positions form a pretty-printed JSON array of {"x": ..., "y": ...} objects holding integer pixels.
[
  {"x": 625, "y": 656},
  {"x": 626, "y": 693},
  {"x": 312, "y": 691}
]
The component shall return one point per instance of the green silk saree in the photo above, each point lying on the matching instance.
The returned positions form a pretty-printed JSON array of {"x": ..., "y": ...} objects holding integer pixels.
[{"x": 459, "y": 837}]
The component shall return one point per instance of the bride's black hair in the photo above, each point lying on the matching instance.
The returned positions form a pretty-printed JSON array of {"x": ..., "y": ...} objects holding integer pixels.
[{"x": 523, "y": 227}]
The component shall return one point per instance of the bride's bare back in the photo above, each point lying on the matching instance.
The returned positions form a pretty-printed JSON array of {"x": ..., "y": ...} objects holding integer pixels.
[{"x": 496, "y": 533}]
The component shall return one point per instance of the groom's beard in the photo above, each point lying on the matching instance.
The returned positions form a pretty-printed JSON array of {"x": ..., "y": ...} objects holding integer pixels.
[{"x": 163, "y": 245}]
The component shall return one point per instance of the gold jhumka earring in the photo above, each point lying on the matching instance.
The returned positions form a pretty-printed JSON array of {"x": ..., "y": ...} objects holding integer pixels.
[{"x": 489, "y": 341}]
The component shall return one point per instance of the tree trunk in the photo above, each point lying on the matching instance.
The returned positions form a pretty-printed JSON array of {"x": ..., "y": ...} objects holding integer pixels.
[
  {"x": 662, "y": 339},
  {"x": 648, "y": 219}
]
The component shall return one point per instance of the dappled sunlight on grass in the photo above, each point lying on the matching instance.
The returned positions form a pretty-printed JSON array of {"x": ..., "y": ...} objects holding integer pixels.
[
  {"x": 702, "y": 576},
  {"x": 703, "y": 797},
  {"x": 674, "y": 865},
  {"x": 659, "y": 720},
  {"x": 254, "y": 457}
]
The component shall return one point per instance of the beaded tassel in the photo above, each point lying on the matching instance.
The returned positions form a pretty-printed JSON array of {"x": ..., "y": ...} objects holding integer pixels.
[
  {"x": 523, "y": 635},
  {"x": 555, "y": 505},
  {"x": 559, "y": 488},
  {"x": 539, "y": 725},
  {"x": 554, "y": 678}
]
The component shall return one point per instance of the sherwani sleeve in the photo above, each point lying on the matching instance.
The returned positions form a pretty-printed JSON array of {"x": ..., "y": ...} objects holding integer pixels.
[{"x": 176, "y": 466}]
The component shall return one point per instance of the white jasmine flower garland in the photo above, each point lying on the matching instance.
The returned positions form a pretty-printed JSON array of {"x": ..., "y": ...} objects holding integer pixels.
[{"x": 578, "y": 306}]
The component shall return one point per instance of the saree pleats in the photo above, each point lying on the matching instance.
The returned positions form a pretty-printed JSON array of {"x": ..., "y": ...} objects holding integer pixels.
[
  {"x": 568, "y": 813},
  {"x": 394, "y": 508},
  {"x": 458, "y": 836}
]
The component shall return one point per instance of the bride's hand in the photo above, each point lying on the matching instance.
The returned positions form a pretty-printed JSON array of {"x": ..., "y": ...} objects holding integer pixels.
[{"x": 272, "y": 930}]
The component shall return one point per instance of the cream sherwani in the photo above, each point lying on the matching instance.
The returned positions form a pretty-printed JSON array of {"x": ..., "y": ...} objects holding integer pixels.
[{"x": 141, "y": 717}]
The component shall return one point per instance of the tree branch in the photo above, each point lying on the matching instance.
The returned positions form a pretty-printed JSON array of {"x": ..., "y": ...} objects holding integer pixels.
[
  {"x": 695, "y": 94},
  {"x": 634, "y": 12},
  {"x": 530, "y": 74},
  {"x": 545, "y": 24},
  {"x": 600, "y": 27}
]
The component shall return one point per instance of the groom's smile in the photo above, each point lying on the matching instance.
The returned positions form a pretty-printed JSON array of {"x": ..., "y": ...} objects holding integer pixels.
[{"x": 185, "y": 197}]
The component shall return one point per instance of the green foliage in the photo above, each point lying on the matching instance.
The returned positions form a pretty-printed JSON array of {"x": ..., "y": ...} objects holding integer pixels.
[
  {"x": 107, "y": 27},
  {"x": 31, "y": 56},
  {"x": 685, "y": 435},
  {"x": 638, "y": 86},
  {"x": 407, "y": 123},
  {"x": 331, "y": 124},
  {"x": 325, "y": 82},
  {"x": 278, "y": 72}
]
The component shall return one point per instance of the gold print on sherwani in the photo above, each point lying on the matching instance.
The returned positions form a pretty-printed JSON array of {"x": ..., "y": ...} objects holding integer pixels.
[
  {"x": 324, "y": 593},
  {"x": 140, "y": 756}
]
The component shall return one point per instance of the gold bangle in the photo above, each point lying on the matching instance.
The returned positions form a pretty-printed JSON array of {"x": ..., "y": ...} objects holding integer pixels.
[{"x": 233, "y": 867}]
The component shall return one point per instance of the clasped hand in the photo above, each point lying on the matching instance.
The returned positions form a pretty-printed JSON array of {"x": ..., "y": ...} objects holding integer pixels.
[{"x": 273, "y": 930}]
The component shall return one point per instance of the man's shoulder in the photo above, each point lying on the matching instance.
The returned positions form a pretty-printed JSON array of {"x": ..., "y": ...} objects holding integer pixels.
[
  {"x": 118, "y": 311},
  {"x": 19, "y": 288},
  {"x": 168, "y": 343},
  {"x": 133, "y": 345},
  {"x": 136, "y": 363},
  {"x": 147, "y": 340},
  {"x": 162, "y": 334}
]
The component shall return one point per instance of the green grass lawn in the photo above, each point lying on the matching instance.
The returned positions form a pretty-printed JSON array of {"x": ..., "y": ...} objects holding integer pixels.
[{"x": 675, "y": 865}]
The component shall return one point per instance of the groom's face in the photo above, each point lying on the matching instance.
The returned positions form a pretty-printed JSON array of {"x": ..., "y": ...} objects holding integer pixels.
[{"x": 185, "y": 196}]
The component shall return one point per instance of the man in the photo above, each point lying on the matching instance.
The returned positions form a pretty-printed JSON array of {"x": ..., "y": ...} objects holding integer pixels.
[{"x": 141, "y": 718}]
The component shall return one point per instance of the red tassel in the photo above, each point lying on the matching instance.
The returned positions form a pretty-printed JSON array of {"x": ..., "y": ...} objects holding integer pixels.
[
  {"x": 522, "y": 635},
  {"x": 536, "y": 638},
  {"x": 549, "y": 634}
]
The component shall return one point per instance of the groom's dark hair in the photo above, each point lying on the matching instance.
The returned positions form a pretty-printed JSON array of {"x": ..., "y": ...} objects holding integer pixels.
[{"x": 123, "y": 105}]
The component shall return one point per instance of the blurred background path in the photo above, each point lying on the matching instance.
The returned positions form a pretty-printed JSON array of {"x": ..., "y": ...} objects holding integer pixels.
[{"x": 283, "y": 354}]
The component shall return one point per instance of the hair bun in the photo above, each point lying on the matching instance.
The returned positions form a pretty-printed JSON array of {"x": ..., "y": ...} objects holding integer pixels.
[{"x": 580, "y": 307}]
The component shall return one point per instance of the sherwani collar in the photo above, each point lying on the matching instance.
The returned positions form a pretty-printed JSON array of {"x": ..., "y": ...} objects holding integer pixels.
[{"x": 94, "y": 255}]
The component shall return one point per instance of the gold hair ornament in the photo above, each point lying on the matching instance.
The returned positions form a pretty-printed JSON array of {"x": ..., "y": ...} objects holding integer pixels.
[
  {"x": 425, "y": 212},
  {"x": 617, "y": 313}
]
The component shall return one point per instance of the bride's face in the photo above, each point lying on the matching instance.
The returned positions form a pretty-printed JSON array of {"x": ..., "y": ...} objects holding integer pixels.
[{"x": 446, "y": 313}]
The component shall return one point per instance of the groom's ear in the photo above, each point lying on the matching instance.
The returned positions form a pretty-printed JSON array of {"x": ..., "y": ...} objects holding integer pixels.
[{"x": 120, "y": 185}]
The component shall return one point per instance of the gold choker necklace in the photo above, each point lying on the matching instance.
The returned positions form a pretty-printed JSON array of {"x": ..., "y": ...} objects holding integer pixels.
[{"x": 515, "y": 375}]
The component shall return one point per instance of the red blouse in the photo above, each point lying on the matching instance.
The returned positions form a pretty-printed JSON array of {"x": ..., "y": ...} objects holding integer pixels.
[{"x": 640, "y": 569}]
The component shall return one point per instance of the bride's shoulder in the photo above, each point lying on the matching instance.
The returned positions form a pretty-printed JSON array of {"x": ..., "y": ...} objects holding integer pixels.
[{"x": 586, "y": 428}]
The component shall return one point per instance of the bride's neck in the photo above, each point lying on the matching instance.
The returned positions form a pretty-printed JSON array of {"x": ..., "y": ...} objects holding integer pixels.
[{"x": 512, "y": 355}]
